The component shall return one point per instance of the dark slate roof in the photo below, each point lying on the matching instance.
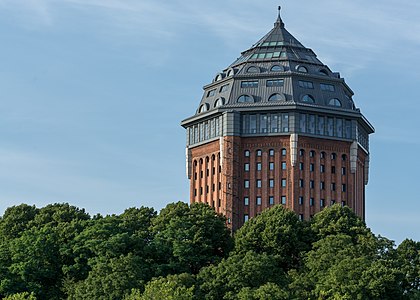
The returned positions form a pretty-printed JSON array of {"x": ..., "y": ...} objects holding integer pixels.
[{"x": 295, "y": 66}]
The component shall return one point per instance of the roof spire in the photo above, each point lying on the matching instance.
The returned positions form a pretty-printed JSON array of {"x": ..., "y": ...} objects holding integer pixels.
[{"x": 279, "y": 21}]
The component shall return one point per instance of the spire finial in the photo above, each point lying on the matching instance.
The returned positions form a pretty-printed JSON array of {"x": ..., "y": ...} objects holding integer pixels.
[{"x": 279, "y": 20}]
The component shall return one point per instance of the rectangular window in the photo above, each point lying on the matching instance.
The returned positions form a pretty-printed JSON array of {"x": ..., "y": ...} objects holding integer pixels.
[
  {"x": 271, "y": 166},
  {"x": 300, "y": 217},
  {"x": 259, "y": 166},
  {"x": 283, "y": 165},
  {"x": 283, "y": 152},
  {"x": 322, "y": 185},
  {"x": 343, "y": 188},
  {"x": 301, "y": 183},
  {"x": 300, "y": 200},
  {"x": 246, "y": 218},
  {"x": 274, "y": 123},
  {"x": 211, "y": 93},
  {"x": 224, "y": 88},
  {"x": 246, "y": 184},
  {"x": 311, "y": 201},
  {"x": 311, "y": 124},
  {"x": 246, "y": 167},
  {"x": 283, "y": 200},
  {"x": 253, "y": 123},
  {"x": 271, "y": 200},
  {"x": 339, "y": 127},
  {"x": 285, "y": 122},
  {"x": 330, "y": 126},
  {"x": 321, "y": 203},
  {"x": 258, "y": 200},
  {"x": 246, "y": 201},
  {"x": 327, "y": 87},
  {"x": 306, "y": 84},
  {"x": 312, "y": 184},
  {"x": 302, "y": 122},
  {"x": 301, "y": 166},
  {"x": 333, "y": 186},
  {"x": 332, "y": 202},
  {"x": 258, "y": 183},
  {"x": 332, "y": 169},
  {"x": 249, "y": 84},
  {"x": 275, "y": 82},
  {"x": 271, "y": 183},
  {"x": 321, "y": 126},
  {"x": 283, "y": 182},
  {"x": 343, "y": 171},
  {"x": 312, "y": 167},
  {"x": 263, "y": 123},
  {"x": 322, "y": 168},
  {"x": 347, "y": 131}
]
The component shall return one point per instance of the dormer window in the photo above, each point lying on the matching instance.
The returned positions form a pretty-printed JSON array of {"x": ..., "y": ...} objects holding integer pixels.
[
  {"x": 335, "y": 102},
  {"x": 277, "y": 68},
  {"x": 219, "y": 102},
  {"x": 253, "y": 70},
  {"x": 211, "y": 93},
  {"x": 323, "y": 72},
  {"x": 203, "y": 108},
  {"x": 301, "y": 69},
  {"x": 245, "y": 99},
  {"x": 308, "y": 99},
  {"x": 277, "y": 97}
]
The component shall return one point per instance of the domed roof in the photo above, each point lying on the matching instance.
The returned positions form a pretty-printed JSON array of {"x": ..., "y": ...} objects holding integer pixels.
[{"x": 277, "y": 71}]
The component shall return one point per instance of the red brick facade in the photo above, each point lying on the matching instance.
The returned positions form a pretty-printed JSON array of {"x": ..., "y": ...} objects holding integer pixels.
[{"x": 242, "y": 176}]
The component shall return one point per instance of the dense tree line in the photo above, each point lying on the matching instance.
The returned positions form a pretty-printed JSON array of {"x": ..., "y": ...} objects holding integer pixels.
[{"x": 186, "y": 252}]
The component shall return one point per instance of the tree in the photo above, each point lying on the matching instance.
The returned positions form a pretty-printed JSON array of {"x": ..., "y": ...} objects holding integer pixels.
[
  {"x": 268, "y": 291},
  {"x": 278, "y": 232},
  {"x": 21, "y": 296},
  {"x": 409, "y": 260},
  {"x": 171, "y": 287},
  {"x": 189, "y": 238},
  {"x": 229, "y": 277}
]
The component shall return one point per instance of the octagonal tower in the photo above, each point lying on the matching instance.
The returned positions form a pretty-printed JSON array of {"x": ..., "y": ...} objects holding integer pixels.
[{"x": 277, "y": 126}]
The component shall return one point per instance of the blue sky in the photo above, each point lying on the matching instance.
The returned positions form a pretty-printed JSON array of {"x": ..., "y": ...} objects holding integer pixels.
[{"x": 92, "y": 93}]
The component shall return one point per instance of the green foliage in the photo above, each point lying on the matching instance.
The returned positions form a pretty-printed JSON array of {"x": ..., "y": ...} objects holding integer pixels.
[
  {"x": 186, "y": 252},
  {"x": 278, "y": 232},
  {"x": 189, "y": 238},
  {"x": 172, "y": 287},
  {"x": 239, "y": 271},
  {"x": 21, "y": 296}
]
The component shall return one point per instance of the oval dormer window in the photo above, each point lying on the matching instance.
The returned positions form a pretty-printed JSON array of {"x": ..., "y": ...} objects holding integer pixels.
[
  {"x": 301, "y": 69},
  {"x": 323, "y": 72},
  {"x": 308, "y": 99},
  {"x": 277, "y": 68},
  {"x": 218, "y": 77},
  {"x": 253, "y": 69},
  {"x": 203, "y": 108},
  {"x": 277, "y": 97},
  {"x": 335, "y": 102},
  {"x": 219, "y": 102},
  {"x": 245, "y": 99}
]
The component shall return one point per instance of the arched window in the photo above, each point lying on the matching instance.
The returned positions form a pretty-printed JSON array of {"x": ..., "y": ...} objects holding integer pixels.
[
  {"x": 253, "y": 70},
  {"x": 301, "y": 69},
  {"x": 219, "y": 102},
  {"x": 201, "y": 161},
  {"x": 247, "y": 153},
  {"x": 301, "y": 152},
  {"x": 213, "y": 157},
  {"x": 195, "y": 163},
  {"x": 335, "y": 102},
  {"x": 229, "y": 73},
  {"x": 259, "y": 152},
  {"x": 333, "y": 156},
  {"x": 308, "y": 99},
  {"x": 245, "y": 99},
  {"x": 322, "y": 154},
  {"x": 204, "y": 107},
  {"x": 277, "y": 68},
  {"x": 312, "y": 153},
  {"x": 344, "y": 157},
  {"x": 218, "y": 77},
  {"x": 283, "y": 152},
  {"x": 323, "y": 72},
  {"x": 277, "y": 97},
  {"x": 271, "y": 152}
]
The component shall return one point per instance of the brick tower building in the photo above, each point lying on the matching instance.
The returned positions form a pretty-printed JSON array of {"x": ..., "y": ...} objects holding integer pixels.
[{"x": 277, "y": 127}]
